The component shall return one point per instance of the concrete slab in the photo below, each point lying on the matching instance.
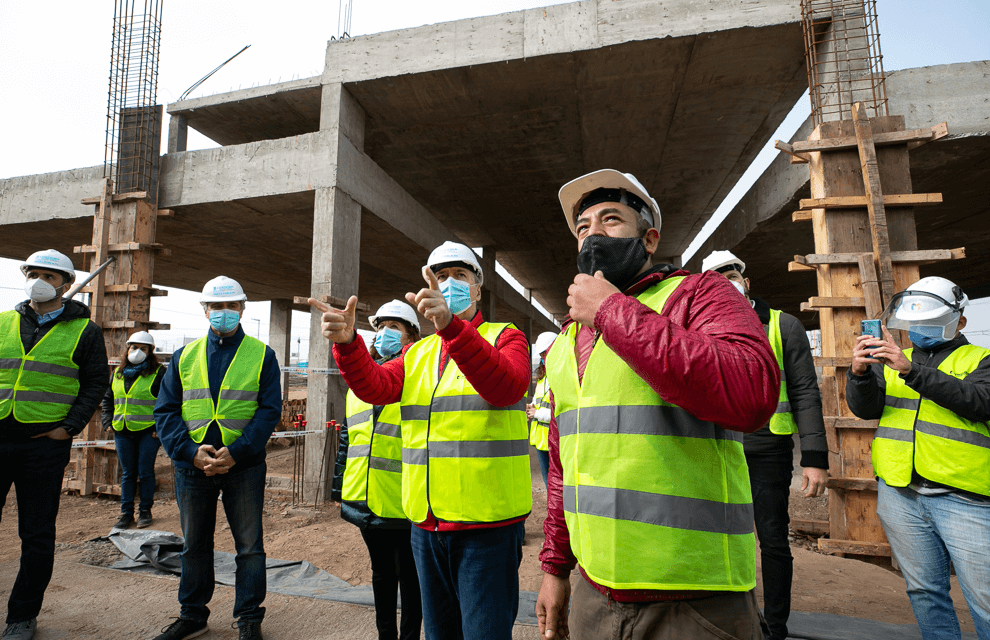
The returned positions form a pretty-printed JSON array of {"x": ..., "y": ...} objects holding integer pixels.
[{"x": 760, "y": 231}]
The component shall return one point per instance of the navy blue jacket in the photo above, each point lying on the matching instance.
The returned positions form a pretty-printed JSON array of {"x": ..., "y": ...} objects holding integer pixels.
[{"x": 249, "y": 449}]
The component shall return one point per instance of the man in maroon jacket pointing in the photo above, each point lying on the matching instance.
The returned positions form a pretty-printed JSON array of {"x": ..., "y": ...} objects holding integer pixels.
[{"x": 655, "y": 379}]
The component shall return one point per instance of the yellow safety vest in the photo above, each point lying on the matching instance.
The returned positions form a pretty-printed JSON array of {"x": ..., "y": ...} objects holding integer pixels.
[
  {"x": 782, "y": 422},
  {"x": 918, "y": 433},
  {"x": 374, "y": 458},
  {"x": 134, "y": 408},
  {"x": 238, "y": 399},
  {"x": 654, "y": 498},
  {"x": 462, "y": 457},
  {"x": 41, "y": 385},
  {"x": 539, "y": 432}
]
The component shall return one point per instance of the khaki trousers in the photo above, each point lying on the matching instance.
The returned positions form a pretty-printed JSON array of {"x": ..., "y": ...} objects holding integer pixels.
[{"x": 732, "y": 616}]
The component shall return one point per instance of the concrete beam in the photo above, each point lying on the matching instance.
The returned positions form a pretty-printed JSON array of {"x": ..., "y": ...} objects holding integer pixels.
[
  {"x": 49, "y": 196},
  {"x": 564, "y": 28},
  {"x": 193, "y": 104}
]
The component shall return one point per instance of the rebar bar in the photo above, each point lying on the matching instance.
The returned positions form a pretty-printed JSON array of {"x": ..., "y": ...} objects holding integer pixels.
[
  {"x": 842, "y": 51},
  {"x": 133, "y": 116}
]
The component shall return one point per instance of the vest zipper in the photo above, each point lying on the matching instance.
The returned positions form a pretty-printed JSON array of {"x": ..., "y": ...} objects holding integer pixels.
[{"x": 914, "y": 425}]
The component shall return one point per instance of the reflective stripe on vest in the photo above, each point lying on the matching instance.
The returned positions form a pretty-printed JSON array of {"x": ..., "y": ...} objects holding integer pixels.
[
  {"x": 41, "y": 385},
  {"x": 133, "y": 408},
  {"x": 539, "y": 432},
  {"x": 654, "y": 498},
  {"x": 782, "y": 421},
  {"x": 238, "y": 399},
  {"x": 462, "y": 457},
  {"x": 917, "y": 433},
  {"x": 373, "y": 474}
]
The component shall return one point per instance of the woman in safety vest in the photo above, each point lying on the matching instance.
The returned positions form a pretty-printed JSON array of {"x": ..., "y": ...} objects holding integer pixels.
[
  {"x": 538, "y": 412},
  {"x": 367, "y": 482},
  {"x": 127, "y": 409}
]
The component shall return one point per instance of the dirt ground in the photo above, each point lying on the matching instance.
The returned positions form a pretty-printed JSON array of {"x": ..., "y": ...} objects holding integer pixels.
[{"x": 822, "y": 583}]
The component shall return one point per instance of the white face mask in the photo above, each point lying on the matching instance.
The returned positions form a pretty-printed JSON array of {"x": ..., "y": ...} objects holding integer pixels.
[
  {"x": 39, "y": 290},
  {"x": 738, "y": 285},
  {"x": 137, "y": 357}
]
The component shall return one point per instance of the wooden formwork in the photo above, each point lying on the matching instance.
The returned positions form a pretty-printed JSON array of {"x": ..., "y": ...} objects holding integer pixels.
[{"x": 862, "y": 215}]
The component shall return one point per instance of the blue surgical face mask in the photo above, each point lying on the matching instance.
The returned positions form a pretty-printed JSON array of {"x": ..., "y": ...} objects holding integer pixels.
[
  {"x": 926, "y": 337},
  {"x": 224, "y": 320},
  {"x": 388, "y": 342},
  {"x": 457, "y": 294}
]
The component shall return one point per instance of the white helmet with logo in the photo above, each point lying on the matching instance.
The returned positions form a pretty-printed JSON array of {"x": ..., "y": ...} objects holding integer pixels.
[
  {"x": 572, "y": 193},
  {"x": 716, "y": 260},
  {"x": 222, "y": 289},
  {"x": 396, "y": 309},
  {"x": 543, "y": 342},
  {"x": 929, "y": 302},
  {"x": 51, "y": 260},
  {"x": 142, "y": 337},
  {"x": 455, "y": 252}
]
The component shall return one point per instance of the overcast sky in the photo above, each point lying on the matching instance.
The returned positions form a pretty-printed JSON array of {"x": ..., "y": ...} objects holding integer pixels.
[{"x": 54, "y": 69}]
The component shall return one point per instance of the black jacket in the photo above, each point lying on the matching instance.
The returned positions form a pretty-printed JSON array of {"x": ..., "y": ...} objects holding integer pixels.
[
  {"x": 94, "y": 372},
  {"x": 803, "y": 393},
  {"x": 969, "y": 397},
  {"x": 106, "y": 406},
  {"x": 357, "y": 512}
]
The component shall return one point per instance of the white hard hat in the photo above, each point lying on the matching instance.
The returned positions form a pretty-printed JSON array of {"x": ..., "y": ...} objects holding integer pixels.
[
  {"x": 718, "y": 259},
  {"x": 222, "y": 289},
  {"x": 141, "y": 337},
  {"x": 929, "y": 302},
  {"x": 455, "y": 252},
  {"x": 395, "y": 309},
  {"x": 572, "y": 193},
  {"x": 53, "y": 261},
  {"x": 543, "y": 342}
]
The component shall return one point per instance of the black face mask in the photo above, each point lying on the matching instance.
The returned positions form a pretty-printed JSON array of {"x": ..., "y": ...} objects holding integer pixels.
[{"x": 619, "y": 259}]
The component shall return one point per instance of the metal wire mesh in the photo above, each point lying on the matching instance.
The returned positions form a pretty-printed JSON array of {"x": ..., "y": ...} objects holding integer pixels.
[
  {"x": 842, "y": 50},
  {"x": 133, "y": 118}
]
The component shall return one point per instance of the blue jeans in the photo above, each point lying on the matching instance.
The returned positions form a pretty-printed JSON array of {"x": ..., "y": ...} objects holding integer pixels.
[
  {"x": 35, "y": 468},
  {"x": 770, "y": 481},
  {"x": 469, "y": 581},
  {"x": 137, "y": 453},
  {"x": 925, "y": 533},
  {"x": 544, "y": 458},
  {"x": 243, "y": 501}
]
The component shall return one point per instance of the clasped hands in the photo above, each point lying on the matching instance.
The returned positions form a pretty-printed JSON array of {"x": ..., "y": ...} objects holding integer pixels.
[{"x": 211, "y": 461}]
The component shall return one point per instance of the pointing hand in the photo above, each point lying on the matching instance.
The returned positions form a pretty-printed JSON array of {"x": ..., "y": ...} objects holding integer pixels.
[
  {"x": 430, "y": 302},
  {"x": 338, "y": 324}
]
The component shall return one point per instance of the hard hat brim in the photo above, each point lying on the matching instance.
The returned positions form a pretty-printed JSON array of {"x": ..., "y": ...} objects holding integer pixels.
[{"x": 571, "y": 194}]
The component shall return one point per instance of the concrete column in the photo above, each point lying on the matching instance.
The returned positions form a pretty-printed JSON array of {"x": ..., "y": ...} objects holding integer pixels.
[
  {"x": 487, "y": 304},
  {"x": 178, "y": 131},
  {"x": 280, "y": 337}
]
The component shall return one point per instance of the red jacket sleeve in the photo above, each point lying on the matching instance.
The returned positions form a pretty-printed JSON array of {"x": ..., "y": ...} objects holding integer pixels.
[
  {"x": 501, "y": 373},
  {"x": 556, "y": 557},
  {"x": 706, "y": 352},
  {"x": 371, "y": 382}
]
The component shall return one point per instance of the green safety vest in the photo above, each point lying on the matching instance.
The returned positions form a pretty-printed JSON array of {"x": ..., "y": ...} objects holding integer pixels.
[
  {"x": 41, "y": 385},
  {"x": 653, "y": 497},
  {"x": 782, "y": 422},
  {"x": 462, "y": 457},
  {"x": 374, "y": 458},
  {"x": 539, "y": 432},
  {"x": 134, "y": 408},
  {"x": 238, "y": 399},
  {"x": 918, "y": 433}
]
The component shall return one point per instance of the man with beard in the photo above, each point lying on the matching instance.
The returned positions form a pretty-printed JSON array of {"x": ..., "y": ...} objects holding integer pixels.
[{"x": 655, "y": 378}]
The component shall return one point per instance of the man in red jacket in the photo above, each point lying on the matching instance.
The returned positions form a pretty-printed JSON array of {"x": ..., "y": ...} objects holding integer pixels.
[
  {"x": 466, "y": 483},
  {"x": 655, "y": 379}
]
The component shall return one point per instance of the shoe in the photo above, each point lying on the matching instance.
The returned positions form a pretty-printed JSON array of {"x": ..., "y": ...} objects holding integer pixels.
[
  {"x": 124, "y": 522},
  {"x": 182, "y": 629},
  {"x": 250, "y": 630},
  {"x": 22, "y": 630},
  {"x": 144, "y": 520}
]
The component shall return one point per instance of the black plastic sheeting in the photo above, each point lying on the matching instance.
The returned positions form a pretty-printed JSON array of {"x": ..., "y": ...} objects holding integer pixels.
[{"x": 158, "y": 552}]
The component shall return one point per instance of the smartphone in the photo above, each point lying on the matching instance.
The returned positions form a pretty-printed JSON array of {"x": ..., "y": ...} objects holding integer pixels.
[{"x": 870, "y": 328}]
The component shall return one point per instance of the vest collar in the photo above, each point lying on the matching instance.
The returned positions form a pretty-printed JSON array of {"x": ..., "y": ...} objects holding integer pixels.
[{"x": 657, "y": 274}]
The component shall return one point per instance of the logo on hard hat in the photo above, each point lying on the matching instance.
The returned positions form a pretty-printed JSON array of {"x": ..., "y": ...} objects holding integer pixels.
[
  {"x": 915, "y": 306},
  {"x": 222, "y": 289}
]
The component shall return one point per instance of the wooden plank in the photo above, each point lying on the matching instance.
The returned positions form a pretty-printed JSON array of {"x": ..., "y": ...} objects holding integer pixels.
[
  {"x": 833, "y": 362},
  {"x": 814, "y": 527},
  {"x": 852, "y": 484},
  {"x": 166, "y": 213},
  {"x": 854, "y": 546},
  {"x": 797, "y": 266},
  {"x": 871, "y": 286},
  {"x": 874, "y": 201},
  {"x": 844, "y": 422},
  {"x": 127, "y": 288},
  {"x": 919, "y": 136},
  {"x": 119, "y": 197},
  {"x": 860, "y": 202},
  {"x": 796, "y": 158},
  {"x": 801, "y": 216},
  {"x": 123, "y": 247},
  {"x": 819, "y": 302},
  {"x": 899, "y": 257}
]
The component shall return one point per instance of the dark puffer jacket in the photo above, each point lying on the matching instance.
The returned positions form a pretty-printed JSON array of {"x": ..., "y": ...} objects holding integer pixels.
[{"x": 94, "y": 372}]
